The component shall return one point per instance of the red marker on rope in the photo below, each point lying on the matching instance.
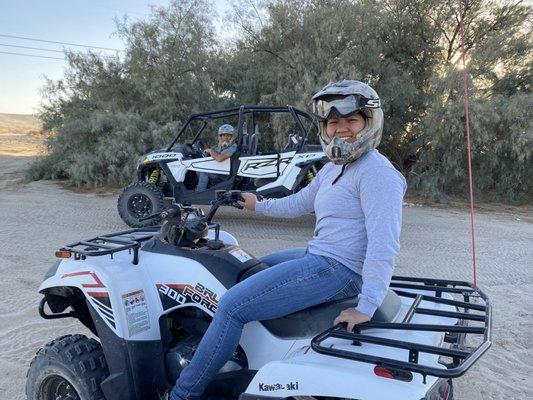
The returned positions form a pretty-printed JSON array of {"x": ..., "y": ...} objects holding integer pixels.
[{"x": 468, "y": 139}]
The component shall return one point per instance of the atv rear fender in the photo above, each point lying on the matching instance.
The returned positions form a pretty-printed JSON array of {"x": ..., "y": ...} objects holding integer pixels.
[{"x": 307, "y": 373}]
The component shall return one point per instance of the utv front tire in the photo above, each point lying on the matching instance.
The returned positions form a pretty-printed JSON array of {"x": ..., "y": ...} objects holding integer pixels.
[
  {"x": 70, "y": 367},
  {"x": 139, "y": 200}
]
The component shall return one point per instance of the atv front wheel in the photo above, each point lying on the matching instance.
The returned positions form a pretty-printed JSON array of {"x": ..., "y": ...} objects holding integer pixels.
[
  {"x": 139, "y": 200},
  {"x": 68, "y": 368}
]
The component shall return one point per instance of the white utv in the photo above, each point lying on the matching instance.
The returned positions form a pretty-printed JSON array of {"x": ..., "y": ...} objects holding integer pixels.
[{"x": 171, "y": 174}]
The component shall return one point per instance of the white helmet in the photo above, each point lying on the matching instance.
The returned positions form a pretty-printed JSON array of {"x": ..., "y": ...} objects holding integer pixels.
[
  {"x": 226, "y": 129},
  {"x": 346, "y": 98}
]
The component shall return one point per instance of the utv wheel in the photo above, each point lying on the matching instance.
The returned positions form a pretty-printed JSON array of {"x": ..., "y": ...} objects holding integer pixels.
[
  {"x": 140, "y": 200},
  {"x": 68, "y": 368}
]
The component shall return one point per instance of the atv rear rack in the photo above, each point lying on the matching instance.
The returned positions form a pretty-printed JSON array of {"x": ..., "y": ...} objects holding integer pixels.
[
  {"x": 455, "y": 335},
  {"x": 130, "y": 240}
]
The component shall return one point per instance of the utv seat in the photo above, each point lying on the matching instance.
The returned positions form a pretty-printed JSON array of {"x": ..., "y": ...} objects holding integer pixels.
[{"x": 313, "y": 320}]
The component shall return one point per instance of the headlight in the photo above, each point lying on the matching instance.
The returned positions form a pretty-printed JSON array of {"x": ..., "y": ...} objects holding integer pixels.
[{"x": 141, "y": 161}]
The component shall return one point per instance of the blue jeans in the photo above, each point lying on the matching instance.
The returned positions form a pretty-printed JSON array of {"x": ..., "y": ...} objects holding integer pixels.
[
  {"x": 203, "y": 181},
  {"x": 266, "y": 295},
  {"x": 204, "y": 178}
]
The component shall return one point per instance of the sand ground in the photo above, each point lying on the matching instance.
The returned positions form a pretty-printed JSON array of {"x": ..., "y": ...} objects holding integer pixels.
[{"x": 39, "y": 217}]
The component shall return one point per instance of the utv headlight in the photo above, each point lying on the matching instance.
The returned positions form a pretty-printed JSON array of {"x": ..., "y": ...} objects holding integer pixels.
[{"x": 141, "y": 161}]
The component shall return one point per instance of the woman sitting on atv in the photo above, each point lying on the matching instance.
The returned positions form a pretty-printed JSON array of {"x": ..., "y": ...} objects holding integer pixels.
[{"x": 357, "y": 200}]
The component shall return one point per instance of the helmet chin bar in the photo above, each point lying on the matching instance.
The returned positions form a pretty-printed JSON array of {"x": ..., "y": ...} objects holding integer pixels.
[{"x": 336, "y": 152}]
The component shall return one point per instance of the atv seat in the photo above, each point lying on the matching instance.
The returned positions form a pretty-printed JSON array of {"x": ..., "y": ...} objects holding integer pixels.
[{"x": 316, "y": 319}]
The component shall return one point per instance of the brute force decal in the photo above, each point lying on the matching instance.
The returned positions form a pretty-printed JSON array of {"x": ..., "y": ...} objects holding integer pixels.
[{"x": 173, "y": 295}]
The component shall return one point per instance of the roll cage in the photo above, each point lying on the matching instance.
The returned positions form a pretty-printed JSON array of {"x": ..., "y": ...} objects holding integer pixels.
[{"x": 241, "y": 111}]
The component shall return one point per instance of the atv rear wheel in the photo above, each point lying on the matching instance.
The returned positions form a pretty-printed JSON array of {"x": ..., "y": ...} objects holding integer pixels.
[
  {"x": 68, "y": 368},
  {"x": 140, "y": 200}
]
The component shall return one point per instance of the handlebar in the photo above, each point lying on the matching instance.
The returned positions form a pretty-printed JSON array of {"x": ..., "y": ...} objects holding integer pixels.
[
  {"x": 223, "y": 197},
  {"x": 227, "y": 197},
  {"x": 178, "y": 228}
]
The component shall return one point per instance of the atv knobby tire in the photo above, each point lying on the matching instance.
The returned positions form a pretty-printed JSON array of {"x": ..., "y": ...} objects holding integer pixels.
[
  {"x": 138, "y": 200},
  {"x": 68, "y": 368}
]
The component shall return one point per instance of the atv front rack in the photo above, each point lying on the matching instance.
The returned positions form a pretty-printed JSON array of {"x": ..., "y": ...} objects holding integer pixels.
[
  {"x": 130, "y": 240},
  {"x": 455, "y": 335}
]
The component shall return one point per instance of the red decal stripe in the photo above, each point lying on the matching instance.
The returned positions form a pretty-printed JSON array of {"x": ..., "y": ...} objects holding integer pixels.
[
  {"x": 171, "y": 285},
  {"x": 98, "y": 294},
  {"x": 98, "y": 283}
]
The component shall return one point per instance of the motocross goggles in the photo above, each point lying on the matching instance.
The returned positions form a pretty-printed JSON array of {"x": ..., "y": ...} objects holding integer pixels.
[{"x": 343, "y": 106}]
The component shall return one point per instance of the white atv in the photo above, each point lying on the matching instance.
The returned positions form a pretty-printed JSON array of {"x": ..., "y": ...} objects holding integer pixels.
[
  {"x": 259, "y": 165},
  {"x": 149, "y": 294}
]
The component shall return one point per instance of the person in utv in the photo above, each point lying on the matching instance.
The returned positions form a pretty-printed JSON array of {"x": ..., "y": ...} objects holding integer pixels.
[
  {"x": 357, "y": 199},
  {"x": 224, "y": 150}
]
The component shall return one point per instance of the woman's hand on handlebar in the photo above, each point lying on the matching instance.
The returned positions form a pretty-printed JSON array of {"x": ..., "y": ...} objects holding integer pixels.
[{"x": 249, "y": 202}]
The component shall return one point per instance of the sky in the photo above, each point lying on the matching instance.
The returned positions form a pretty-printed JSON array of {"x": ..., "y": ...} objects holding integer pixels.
[{"x": 71, "y": 21}]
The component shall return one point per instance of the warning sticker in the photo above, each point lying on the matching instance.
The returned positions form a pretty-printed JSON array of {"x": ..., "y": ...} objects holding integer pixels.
[
  {"x": 240, "y": 254},
  {"x": 136, "y": 312}
]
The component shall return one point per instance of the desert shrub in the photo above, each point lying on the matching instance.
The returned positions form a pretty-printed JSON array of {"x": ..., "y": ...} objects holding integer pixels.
[{"x": 106, "y": 111}]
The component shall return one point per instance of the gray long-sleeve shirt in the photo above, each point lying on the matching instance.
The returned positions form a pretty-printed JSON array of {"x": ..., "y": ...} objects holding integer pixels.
[{"x": 358, "y": 220}]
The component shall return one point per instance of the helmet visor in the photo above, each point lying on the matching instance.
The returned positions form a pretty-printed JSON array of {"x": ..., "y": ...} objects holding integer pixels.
[{"x": 344, "y": 106}]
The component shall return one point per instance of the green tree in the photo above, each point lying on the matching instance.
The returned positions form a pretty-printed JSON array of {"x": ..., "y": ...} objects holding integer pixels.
[
  {"x": 410, "y": 52},
  {"x": 106, "y": 111},
  {"x": 499, "y": 48}
]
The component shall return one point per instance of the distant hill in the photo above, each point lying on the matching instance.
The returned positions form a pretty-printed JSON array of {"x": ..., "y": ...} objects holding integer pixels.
[
  {"x": 20, "y": 135},
  {"x": 19, "y": 124}
]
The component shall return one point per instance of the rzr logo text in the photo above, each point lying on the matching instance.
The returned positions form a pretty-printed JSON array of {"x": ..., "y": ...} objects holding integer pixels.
[{"x": 268, "y": 163}]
